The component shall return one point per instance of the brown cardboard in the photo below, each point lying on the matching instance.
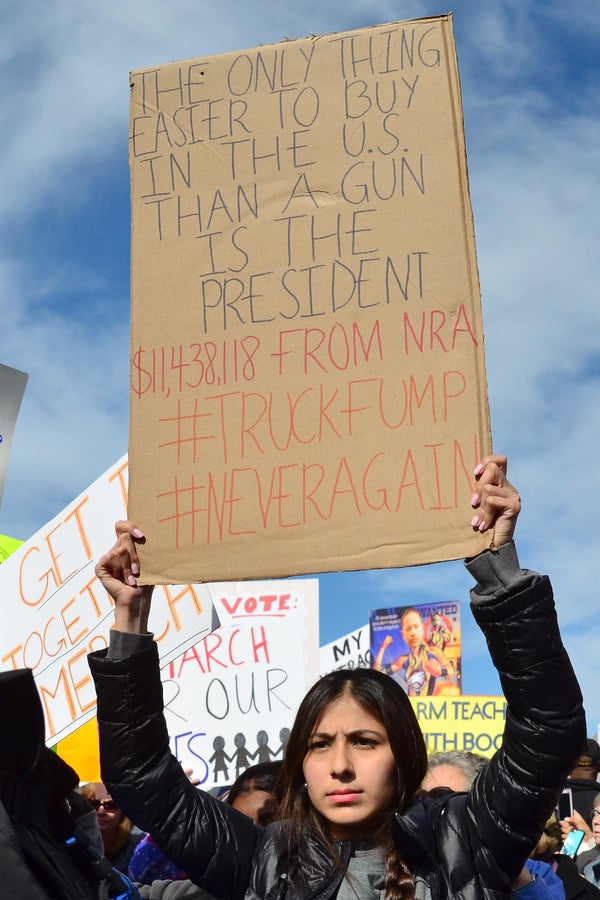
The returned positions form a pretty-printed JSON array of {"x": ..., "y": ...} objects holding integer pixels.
[{"x": 308, "y": 387}]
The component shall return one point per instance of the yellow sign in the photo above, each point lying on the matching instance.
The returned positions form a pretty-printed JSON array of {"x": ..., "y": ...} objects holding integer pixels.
[
  {"x": 461, "y": 723},
  {"x": 8, "y": 545},
  {"x": 80, "y": 750}
]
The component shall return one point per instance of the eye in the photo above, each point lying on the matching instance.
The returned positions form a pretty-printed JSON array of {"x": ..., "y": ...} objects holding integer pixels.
[
  {"x": 365, "y": 742},
  {"x": 318, "y": 745}
]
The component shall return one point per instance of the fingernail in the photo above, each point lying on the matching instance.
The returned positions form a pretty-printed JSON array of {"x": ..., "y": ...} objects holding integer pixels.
[
  {"x": 478, "y": 469},
  {"x": 482, "y": 525},
  {"x": 131, "y": 581},
  {"x": 475, "y": 500},
  {"x": 137, "y": 533},
  {"x": 475, "y": 521},
  {"x": 135, "y": 568}
]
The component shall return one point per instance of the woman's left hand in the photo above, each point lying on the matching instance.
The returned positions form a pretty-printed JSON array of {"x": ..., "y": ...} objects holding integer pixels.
[{"x": 497, "y": 502}]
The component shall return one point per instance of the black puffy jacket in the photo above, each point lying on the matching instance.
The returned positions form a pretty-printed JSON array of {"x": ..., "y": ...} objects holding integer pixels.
[{"x": 469, "y": 846}]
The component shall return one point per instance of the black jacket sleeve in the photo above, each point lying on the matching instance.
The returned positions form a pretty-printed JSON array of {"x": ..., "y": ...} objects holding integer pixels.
[
  {"x": 475, "y": 844},
  {"x": 514, "y": 796},
  {"x": 149, "y": 784}
]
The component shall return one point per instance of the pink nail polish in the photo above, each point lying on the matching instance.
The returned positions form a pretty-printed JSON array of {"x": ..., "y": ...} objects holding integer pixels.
[
  {"x": 131, "y": 581},
  {"x": 475, "y": 521},
  {"x": 482, "y": 525},
  {"x": 478, "y": 469},
  {"x": 475, "y": 500},
  {"x": 137, "y": 533},
  {"x": 135, "y": 568}
]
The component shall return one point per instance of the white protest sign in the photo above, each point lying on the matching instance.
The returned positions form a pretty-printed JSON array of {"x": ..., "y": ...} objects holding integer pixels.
[
  {"x": 352, "y": 651},
  {"x": 231, "y": 699},
  {"x": 56, "y": 611}
]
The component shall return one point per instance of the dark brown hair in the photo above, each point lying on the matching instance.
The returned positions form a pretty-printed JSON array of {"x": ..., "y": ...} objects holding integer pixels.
[
  {"x": 260, "y": 777},
  {"x": 383, "y": 698}
]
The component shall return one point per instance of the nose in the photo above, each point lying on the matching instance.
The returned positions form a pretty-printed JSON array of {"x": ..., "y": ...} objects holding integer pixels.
[{"x": 341, "y": 760}]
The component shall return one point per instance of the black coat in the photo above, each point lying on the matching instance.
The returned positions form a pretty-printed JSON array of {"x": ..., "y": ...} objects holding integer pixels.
[
  {"x": 36, "y": 862},
  {"x": 469, "y": 846}
]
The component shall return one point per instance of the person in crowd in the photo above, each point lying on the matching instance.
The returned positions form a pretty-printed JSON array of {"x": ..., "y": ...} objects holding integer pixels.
[
  {"x": 257, "y": 792},
  {"x": 456, "y": 770},
  {"x": 148, "y": 864},
  {"x": 583, "y": 780},
  {"x": 353, "y": 821},
  {"x": 120, "y": 836},
  {"x": 50, "y": 847},
  {"x": 589, "y": 862},
  {"x": 576, "y": 822},
  {"x": 584, "y": 786},
  {"x": 588, "y": 859}
]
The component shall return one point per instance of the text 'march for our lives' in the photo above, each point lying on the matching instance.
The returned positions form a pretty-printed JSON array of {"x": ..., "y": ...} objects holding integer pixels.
[{"x": 308, "y": 387}]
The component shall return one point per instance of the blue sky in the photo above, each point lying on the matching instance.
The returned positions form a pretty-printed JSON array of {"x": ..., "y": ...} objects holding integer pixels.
[{"x": 531, "y": 95}]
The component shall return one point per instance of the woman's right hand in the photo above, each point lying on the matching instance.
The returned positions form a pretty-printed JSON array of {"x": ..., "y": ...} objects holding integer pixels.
[{"x": 118, "y": 570}]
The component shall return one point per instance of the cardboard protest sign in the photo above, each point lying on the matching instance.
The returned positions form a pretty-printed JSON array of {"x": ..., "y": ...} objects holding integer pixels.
[
  {"x": 419, "y": 646},
  {"x": 56, "y": 611},
  {"x": 12, "y": 387},
  {"x": 308, "y": 387}
]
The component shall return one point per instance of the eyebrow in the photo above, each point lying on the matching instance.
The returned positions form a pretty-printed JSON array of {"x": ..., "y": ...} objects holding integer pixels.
[{"x": 359, "y": 732}]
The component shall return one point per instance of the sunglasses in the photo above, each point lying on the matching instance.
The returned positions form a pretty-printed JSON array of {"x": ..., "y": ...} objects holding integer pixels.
[{"x": 108, "y": 805}]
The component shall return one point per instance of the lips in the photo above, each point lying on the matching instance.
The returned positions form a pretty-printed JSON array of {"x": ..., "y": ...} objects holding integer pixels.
[{"x": 346, "y": 796}]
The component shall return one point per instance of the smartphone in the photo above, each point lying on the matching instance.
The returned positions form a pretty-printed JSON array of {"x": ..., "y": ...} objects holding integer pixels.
[
  {"x": 572, "y": 842},
  {"x": 565, "y": 804}
]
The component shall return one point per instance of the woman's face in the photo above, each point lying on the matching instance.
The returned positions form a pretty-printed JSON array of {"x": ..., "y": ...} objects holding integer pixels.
[
  {"x": 107, "y": 812},
  {"x": 349, "y": 769}
]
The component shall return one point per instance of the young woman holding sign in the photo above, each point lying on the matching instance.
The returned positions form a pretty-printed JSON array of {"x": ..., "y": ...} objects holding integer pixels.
[{"x": 352, "y": 823}]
